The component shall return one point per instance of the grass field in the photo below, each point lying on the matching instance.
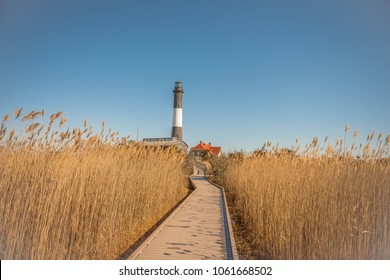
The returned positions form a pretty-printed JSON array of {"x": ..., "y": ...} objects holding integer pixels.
[
  {"x": 323, "y": 203},
  {"x": 76, "y": 194}
]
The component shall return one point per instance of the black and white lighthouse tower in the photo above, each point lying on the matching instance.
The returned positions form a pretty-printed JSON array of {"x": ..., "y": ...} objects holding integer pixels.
[{"x": 177, "y": 123}]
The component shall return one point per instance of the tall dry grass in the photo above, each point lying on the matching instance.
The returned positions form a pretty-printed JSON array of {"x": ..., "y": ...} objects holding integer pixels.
[
  {"x": 76, "y": 194},
  {"x": 323, "y": 203}
]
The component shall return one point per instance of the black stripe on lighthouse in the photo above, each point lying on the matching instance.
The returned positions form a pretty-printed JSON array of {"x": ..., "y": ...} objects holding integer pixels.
[{"x": 177, "y": 123}]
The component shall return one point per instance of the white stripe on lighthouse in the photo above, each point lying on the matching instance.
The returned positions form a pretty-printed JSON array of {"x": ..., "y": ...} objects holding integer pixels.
[{"x": 177, "y": 117}]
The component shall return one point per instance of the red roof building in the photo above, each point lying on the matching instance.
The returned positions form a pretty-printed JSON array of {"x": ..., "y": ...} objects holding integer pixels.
[{"x": 202, "y": 149}]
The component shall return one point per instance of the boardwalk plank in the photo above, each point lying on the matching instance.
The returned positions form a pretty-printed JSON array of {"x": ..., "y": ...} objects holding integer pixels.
[{"x": 197, "y": 230}]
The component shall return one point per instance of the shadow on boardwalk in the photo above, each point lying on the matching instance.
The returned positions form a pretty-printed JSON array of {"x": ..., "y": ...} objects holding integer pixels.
[{"x": 198, "y": 229}]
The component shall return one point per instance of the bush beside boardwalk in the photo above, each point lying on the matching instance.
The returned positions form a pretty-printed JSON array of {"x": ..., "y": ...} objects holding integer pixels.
[
  {"x": 319, "y": 204},
  {"x": 76, "y": 194}
]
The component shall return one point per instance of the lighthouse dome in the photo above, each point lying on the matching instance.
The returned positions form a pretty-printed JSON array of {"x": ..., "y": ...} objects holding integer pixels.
[{"x": 178, "y": 84}]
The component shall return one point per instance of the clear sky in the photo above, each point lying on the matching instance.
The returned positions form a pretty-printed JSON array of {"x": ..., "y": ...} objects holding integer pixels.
[{"x": 252, "y": 71}]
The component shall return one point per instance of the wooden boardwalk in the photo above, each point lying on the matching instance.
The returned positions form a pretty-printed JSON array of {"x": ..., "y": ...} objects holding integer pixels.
[{"x": 199, "y": 229}]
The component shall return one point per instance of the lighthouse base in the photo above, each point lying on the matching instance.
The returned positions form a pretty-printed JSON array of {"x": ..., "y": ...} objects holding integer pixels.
[{"x": 177, "y": 132}]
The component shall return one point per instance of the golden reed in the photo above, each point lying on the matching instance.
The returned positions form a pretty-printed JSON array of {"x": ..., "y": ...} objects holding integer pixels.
[
  {"x": 328, "y": 202},
  {"x": 75, "y": 194}
]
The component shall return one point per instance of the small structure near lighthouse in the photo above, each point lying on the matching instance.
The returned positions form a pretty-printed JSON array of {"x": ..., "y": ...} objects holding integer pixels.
[
  {"x": 202, "y": 150},
  {"x": 176, "y": 138}
]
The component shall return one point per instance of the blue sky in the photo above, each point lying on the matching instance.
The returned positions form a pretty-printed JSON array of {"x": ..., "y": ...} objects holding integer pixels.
[{"x": 252, "y": 71}]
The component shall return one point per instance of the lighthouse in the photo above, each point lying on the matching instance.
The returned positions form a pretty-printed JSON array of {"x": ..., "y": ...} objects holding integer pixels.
[
  {"x": 176, "y": 138},
  {"x": 177, "y": 123}
]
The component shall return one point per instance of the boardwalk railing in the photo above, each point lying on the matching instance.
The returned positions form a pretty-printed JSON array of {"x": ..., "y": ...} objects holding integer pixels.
[{"x": 231, "y": 248}]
